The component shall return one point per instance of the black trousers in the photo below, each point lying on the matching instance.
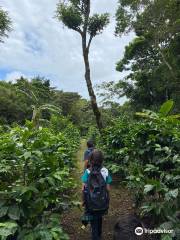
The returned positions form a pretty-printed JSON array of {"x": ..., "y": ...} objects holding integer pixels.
[{"x": 96, "y": 228}]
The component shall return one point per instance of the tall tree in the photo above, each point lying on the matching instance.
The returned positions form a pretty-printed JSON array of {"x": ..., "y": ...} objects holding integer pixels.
[
  {"x": 5, "y": 24},
  {"x": 75, "y": 14},
  {"x": 153, "y": 56}
]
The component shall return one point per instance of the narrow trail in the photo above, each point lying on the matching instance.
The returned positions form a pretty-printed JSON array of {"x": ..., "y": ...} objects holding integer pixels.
[{"x": 120, "y": 204}]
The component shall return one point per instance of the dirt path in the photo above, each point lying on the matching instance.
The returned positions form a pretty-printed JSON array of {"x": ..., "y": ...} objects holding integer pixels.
[{"x": 120, "y": 204}]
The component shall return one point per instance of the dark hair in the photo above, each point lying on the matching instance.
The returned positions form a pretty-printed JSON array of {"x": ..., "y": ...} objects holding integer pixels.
[
  {"x": 125, "y": 228},
  {"x": 96, "y": 158},
  {"x": 90, "y": 144}
]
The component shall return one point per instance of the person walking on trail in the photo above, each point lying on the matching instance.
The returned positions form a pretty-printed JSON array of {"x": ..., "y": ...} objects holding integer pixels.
[
  {"x": 90, "y": 148},
  {"x": 96, "y": 186}
]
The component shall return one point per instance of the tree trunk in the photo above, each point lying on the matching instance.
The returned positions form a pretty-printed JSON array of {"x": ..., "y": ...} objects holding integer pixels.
[
  {"x": 35, "y": 118},
  {"x": 85, "y": 49},
  {"x": 90, "y": 89}
]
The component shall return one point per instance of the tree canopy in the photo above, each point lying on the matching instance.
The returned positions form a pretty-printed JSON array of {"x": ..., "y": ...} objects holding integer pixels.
[
  {"x": 5, "y": 24},
  {"x": 152, "y": 58},
  {"x": 73, "y": 14}
]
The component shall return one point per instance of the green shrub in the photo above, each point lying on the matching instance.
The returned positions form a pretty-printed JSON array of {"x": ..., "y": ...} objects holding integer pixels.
[
  {"x": 146, "y": 155},
  {"x": 35, "y": 184},
  {"x": 94, "y": 135}
]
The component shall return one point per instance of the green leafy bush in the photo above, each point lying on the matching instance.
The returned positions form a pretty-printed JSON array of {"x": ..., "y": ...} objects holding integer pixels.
[
  {"x": 94, "y": 135},
  {"x": 64, "y": 125},
  {"x": 146, "y": 155},
  {"x": 35, "y": 184}
]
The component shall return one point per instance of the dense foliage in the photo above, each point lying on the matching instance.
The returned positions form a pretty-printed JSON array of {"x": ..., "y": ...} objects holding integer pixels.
[
  {"x": 35, "y": 182},
  {"x": 153, "y": 56},
  {"x": 145, "y": 153},
  {"x": 151, "y": 60},
  {"x": 5, "y": 24},
  {"x": 40, "y": 126},
  {"x": 21, "y": 99},
  {"x": 18, "y": 100}
]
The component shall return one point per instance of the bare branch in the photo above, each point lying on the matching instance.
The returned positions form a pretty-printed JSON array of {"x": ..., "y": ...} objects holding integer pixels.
[{"x": 79, "y": 31}]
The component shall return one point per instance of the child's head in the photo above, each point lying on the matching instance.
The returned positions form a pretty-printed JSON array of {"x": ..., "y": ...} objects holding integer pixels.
[
  {"x": 125, "y": 228},
  {"x": 96, "y": 158},
  {"x": 90, "y": 144}
]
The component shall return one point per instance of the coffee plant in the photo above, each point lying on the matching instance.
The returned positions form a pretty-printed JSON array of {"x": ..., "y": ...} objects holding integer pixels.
[
  {"x": 35, "y": 182},
  {"x": 145, "y": 154}
]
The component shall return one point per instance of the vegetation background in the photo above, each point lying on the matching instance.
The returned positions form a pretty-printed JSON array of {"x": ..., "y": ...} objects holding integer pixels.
[{"x": 41, "y": 126}]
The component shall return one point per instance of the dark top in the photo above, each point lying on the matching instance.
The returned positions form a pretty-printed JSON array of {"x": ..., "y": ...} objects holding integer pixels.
[{"x": 87, "y": 153}]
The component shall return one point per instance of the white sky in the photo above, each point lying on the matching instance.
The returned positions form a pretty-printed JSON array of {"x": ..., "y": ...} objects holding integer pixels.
[{"x": 40, "y": 45}]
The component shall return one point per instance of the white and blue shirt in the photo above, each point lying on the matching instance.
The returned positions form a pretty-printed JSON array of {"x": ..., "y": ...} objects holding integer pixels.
[{"x": 104, "y": 172}]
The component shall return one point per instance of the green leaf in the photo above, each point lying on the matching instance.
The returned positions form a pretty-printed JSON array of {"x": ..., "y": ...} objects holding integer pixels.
[
  {"x": 14, "y": 212},
  {"x": 27, "y": 155},
  {"x": 150, "y": 167},
  {"x": 58, "y": 176},
  {"x": 76, "y": 203},
  {"x": 166, "y": 107},
  {"x": 3, "y": 211},
  {"x": 2, "y": 203},
  {"x": 166, "y": 237},
  {"x": 8, "y": 228},
  {"x": 45, "y": 235},
  {"x": 171, "y": 194},
  {"x": 26, "y": 235},
  {"x": 38, "y": 153},
  {"x": 166, "y": 225},
  {"x": 148, "y": 188},
  {"x": 175, "y": 116},
  {"x": 29, "y": 237}
]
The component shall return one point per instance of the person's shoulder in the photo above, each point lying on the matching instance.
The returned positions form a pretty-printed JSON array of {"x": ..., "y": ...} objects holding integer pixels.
[
  {"x": 104, "y": 170},
  {"x": 86, "y": 151},
  {"x": 86, "y": 154},
  {"x": 87, "y": 171},
  {"x": 85, "y": 176}
]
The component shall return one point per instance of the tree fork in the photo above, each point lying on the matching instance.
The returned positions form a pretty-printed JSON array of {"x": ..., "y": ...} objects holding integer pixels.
[{"x": 87, "y": 26}]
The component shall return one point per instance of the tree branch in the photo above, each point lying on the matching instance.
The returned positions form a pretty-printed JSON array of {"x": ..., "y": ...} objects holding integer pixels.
[
  {"x": 86, "y": 17},
  {"x": 79, "y": 31},
  {"x": 157, "y": 43},
  {"x": 167, "y": 64},
  {"x": 89, "y": 43}
]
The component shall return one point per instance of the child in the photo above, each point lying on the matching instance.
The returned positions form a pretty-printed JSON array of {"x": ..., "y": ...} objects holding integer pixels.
[
  {"x": 96, "y": 166},
  {"x": 90, "y": 148}
]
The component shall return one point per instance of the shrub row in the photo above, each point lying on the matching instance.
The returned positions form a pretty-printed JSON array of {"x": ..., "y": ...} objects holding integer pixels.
[
  {"x": 35, "y": 184},
  {"x": 145, "y": 154}
]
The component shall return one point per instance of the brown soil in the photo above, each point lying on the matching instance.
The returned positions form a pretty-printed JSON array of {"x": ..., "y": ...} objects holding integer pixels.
[{"x": 121, "y": 204}]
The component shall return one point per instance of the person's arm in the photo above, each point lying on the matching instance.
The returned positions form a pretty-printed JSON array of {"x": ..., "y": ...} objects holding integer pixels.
[
  {"x": 83, "y": 198},
  {"x": 86, "y": 154},
  {"x": 108, "y": 186},
  {"x": 84, "y": 181},
  {"x": 108, "y": 182},
  {"x": 83, "y": 186},
  {"x": 85, "y": 164}
]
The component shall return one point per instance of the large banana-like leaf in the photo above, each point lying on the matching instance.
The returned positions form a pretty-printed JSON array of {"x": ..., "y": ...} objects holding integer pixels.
[{"x": 166, "y": 108}]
